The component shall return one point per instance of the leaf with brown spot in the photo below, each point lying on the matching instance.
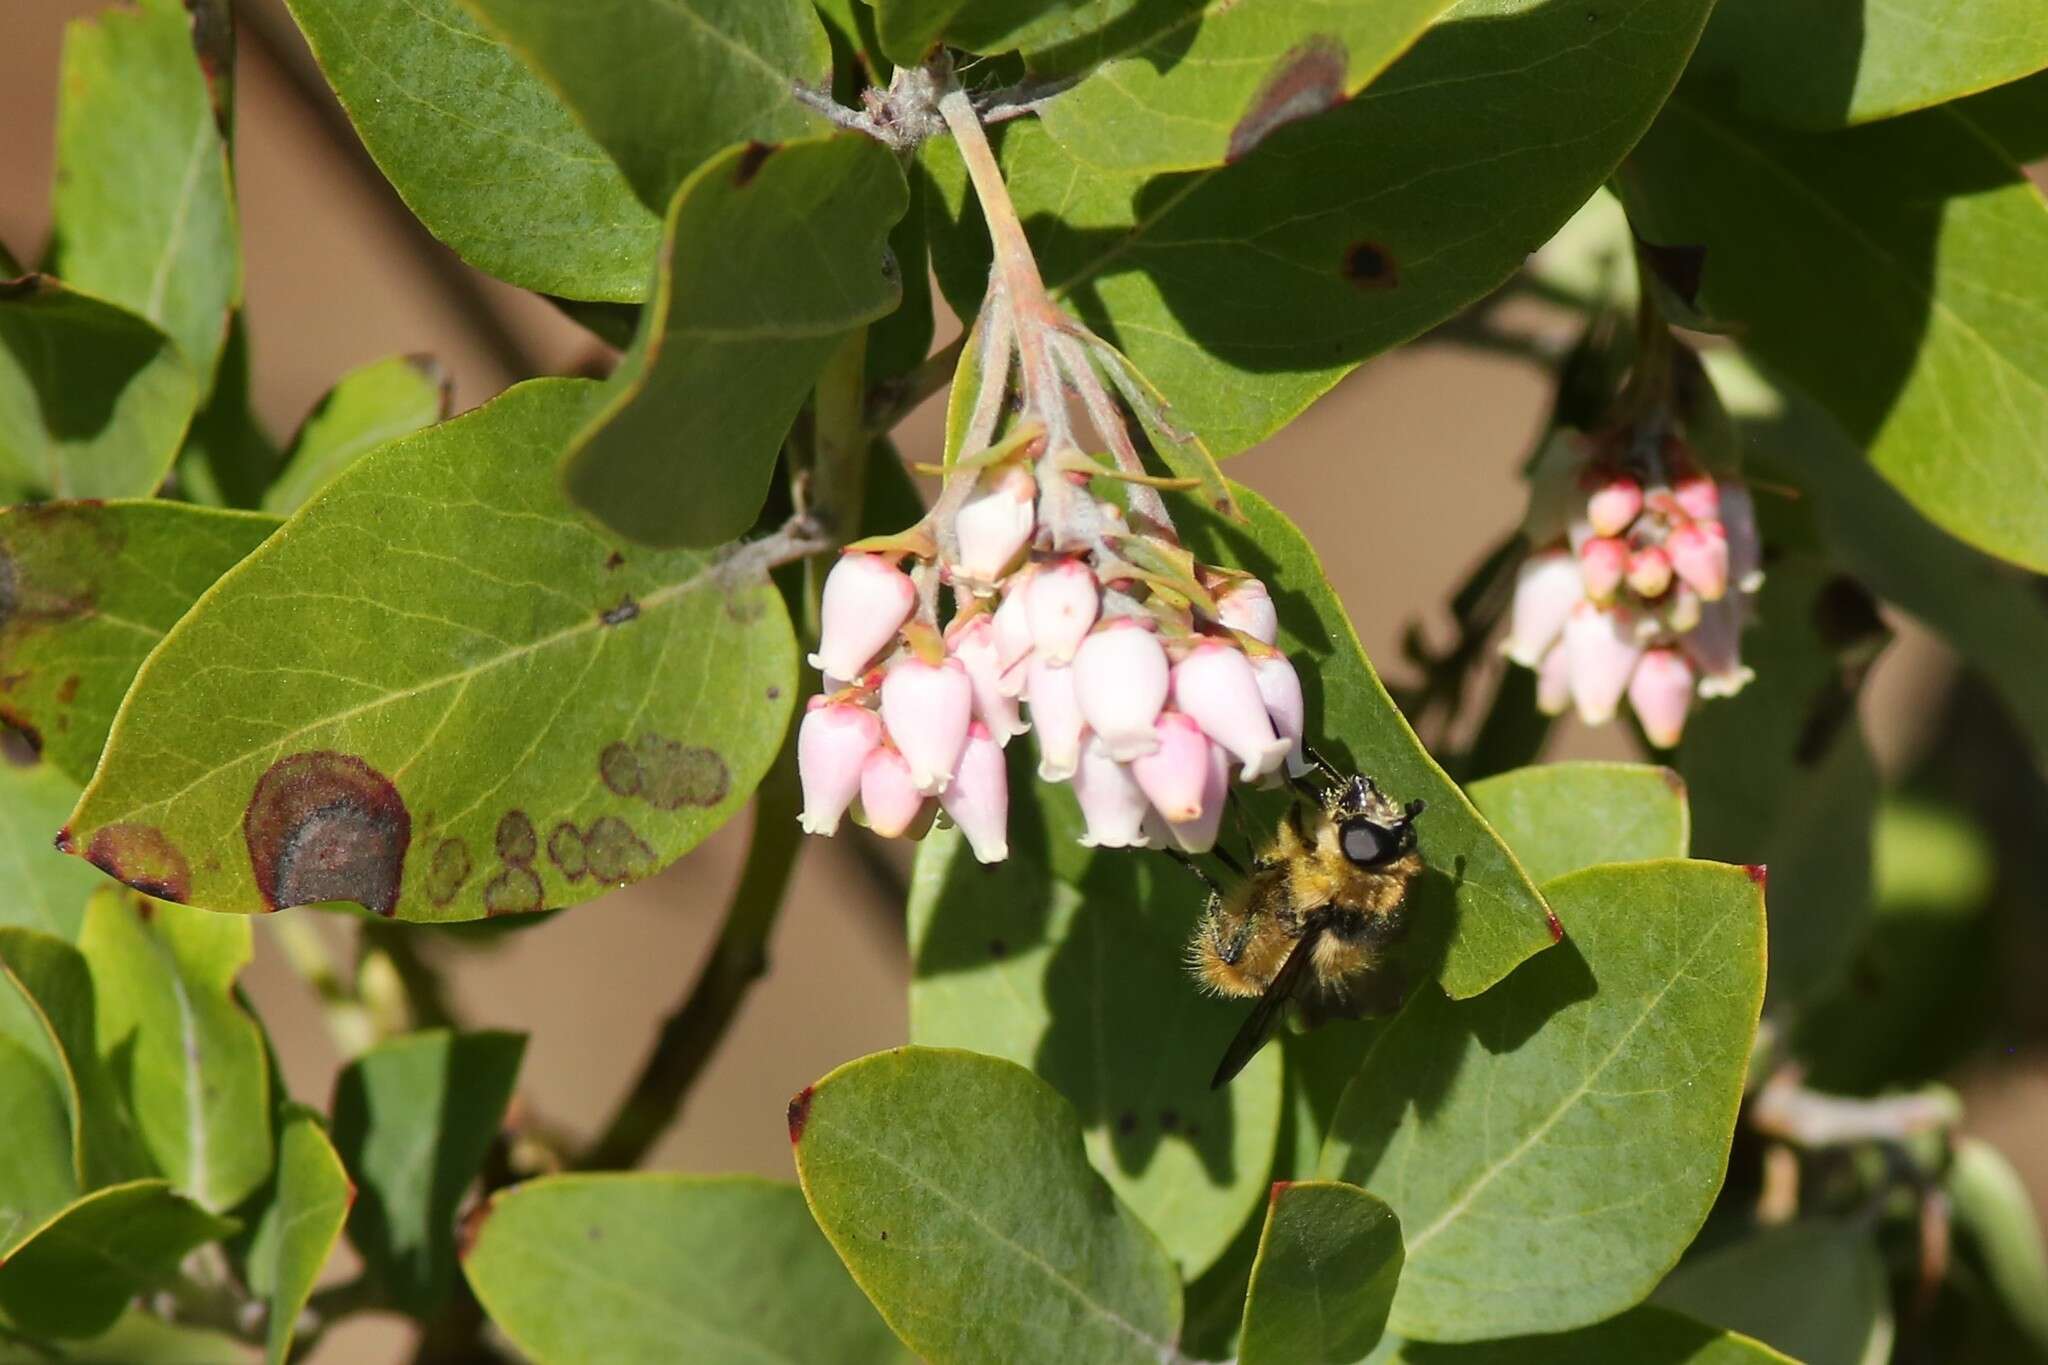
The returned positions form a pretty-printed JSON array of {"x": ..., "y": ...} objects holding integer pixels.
[{"x": 422, "y": 643}]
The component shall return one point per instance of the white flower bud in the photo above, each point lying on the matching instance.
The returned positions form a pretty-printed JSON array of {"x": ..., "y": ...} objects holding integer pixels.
[
  {"x": 1246, "y": 606},
  {"x": 927, "y": 708},
  {"x": 866, "y": 601},
  {"x": 1055, "y": 718},
  {"x": 1280, "y": 686},
  {"x": 1547, "y": 587},
  {"x": 888, "y": 796},
  {"x": 1602, "y": 648},
  {"x": 1062, "y": 603},
  {"x": 978, "y": 799},
  {"x": 995, "y": 525},
  {"x": 1661, "y": 693},
  {"x": 1111, "y": 800},
  {"x": 1215, "y": 685},
  {"x": 975, "y": 646},
  {"x": 832, "y": 742},
  {"x": 1120, "y": 680},
  {"x": 1173, "y": 775}
]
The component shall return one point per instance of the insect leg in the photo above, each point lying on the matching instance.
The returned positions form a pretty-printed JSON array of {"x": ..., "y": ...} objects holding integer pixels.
[{"x": 1195, "y": 869}]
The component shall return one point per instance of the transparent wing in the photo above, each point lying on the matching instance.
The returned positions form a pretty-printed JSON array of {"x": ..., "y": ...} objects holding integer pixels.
[{"x": 1265, "y": 1015}]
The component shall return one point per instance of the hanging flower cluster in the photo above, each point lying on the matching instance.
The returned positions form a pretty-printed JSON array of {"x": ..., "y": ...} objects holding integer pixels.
[
  {"x": 1145, "y": 678},
  {"x": 1641, "y": 589}
]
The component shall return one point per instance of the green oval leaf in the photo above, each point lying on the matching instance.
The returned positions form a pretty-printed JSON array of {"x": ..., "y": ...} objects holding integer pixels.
[
  {"x": 1561, "y": 817},
  {"x": 1499, "y": 919},
  {"x": 375, "y": 403},
  {"x": 750, "y": 302},
  {"x": 144, "y": 213},
  {"x": 1247, "y": 291},
  {"x": 663, "y": 85},
  {"x": 1814, "y": 1290},
  {"x": 36, "y": 1174},
  {"x": 1809, "y": 64},
  {"x": 87, "y": 589},
  {"x": 299, "y": 1226},
  {"x": 47, "y": 890},
  {"x": 1207, "y": 84},
  {"x": 137, "y": 1338},
  {"x": 1641, "y": 1336},
  {"x": 76, "y": 1272},
  {"x": 619, "y": 1269},
  {"x": 413, "y": 1119},
  {"x": 1552, "y": 1146},
  {"x": 955, "y": 1188},
  {"x": 1920, "y": 237},
  {"x": 480, "y": 149},
  {"x": 188, "y": 1058},
  {"x": 465, "y": 696},
  {"x": 1073, "y": 962},
  {"x": 1995, "y": 1212},
  {"x": 93, "y": 400},
  {"x": 1329, "y": 1258}
]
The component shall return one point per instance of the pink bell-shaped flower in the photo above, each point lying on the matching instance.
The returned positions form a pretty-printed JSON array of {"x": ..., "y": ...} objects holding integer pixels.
[
  {"x": 1063, "y": 601},
  {"x": 866, "y": 601},
  {"x": 1199, "y": 834},
  {"x": 1111, "y": 800},
  {"x": 1216, "y": 686},
  {"x": 1554, "y": 681},
  {"x": 1699, "y": 556},
  {"x": 1547, "y": 587},
  {"x": 1280, "y": 687},
  {"x": 978, "y": 798},
  {"x": 1055, "y": 719},
  {"x": 927, "y": 708},
  {"x": 1013, "y": 633},
  {"x": 1246, "y": 606},
  {"x": 977, "y": 649},
  {"x": 1661, "y": 693},
  {"x": 832, "y": 744},
  {"x": 888, "y": 798},
  {"x": 1173, "y": 775},
  {"x": 995, "y": 524},
  {"x": 1649, "y": 571},
  {"x": 1715, "y": 648},
  {"x": 1120, "y": 679},
  {"x": 1614, "y": 506},
  {"x": 1602, "y": 648},
  {"x": 1745, "y": 544},
  {"x": 1698, "y": 497},
  {"x": 1603, "y": 561}
]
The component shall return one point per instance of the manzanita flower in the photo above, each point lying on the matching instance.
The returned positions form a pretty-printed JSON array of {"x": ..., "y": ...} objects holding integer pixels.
[
  {"x": 976, "y": 647},
  {"x": 1175, "y": 773},
  {"x": 1199, "y": 834},
  {"x": 1603, "y": 563},
  {"x": 889, "y": 797},
  {"x": 1063, "y": 601},
  {"x": 832, "y": 744},
  {"x": 1056, "y": 720},
  {"x": 1699, "y": 555},
  {"x": 1602, "y": 649},
  {"x": 1280, "y": 687},
  {"x": 994, "y": 525},
  {"x": 1614, "y": 506},
  {"x": 1216, "y": 686},
  {"x": 978, "y": 797},
  {"x": 1120, "y": 680},
  {"x": 1111, "y": 801},
  {"x": 866, "y": 601},
  {"x": 927, "y": 708},
  {"x": 1546, "y": 590},
  {"x": 1245, "y": 605},
  {"x": 1660, "y": 693},
  {"x": 1013, "y": 632}
]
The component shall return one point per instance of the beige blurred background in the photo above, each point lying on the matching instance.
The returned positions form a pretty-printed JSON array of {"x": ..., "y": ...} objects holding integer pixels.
[{"x": 339, "y": 274}]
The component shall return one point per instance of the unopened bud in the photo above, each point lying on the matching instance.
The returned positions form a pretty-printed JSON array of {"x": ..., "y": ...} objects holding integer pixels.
[
  {"x": 866, "y": 601},
  {"x": 995, "y": 524},
  {"x": 1602, "y": 649},
  {"x": 1173, "y": 774},
  {"x": 1055, "y": 718},
  {"x": 978, "y": 798},
  {"x": 1216, "y": 686},
  {"x": 888, "y": 797},
  {"x": 927, "y": 708},
  {"x": 1614, "y": 506},
  {"x": 832, "y": 743},
  {"x": 1120, "y": 679},
  {"x": 1547, "y": 587},
  {"x": 1697, "y": 497},
  {"x": 1062, "y": 604},
  {"x": 1280, "y": 686},
  {"x": 1603, "y": 561},
  {"x": 976, "y": 647},
  {"x": 1649, "y": 571},
  {"x": 1661, "y": 693},
  {"x": 1246, "y": 606},
  {"x": 1699, "y": 556},
  {"x": 1111, "y": 800}
]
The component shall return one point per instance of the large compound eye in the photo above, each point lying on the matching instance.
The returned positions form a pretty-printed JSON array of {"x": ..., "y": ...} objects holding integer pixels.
[{"x": 1370, "y": 845}]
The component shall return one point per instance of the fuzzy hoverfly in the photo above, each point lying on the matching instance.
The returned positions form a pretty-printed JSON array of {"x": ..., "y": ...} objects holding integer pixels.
[{"x": 1312, "y": 920}]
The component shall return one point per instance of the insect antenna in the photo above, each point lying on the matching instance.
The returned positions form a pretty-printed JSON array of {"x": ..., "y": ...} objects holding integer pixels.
[{"x": 1330, "y": 771}]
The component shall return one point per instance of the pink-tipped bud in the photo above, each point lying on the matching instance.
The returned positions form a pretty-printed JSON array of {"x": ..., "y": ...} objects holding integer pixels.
[
  {"x": 1554, "y": 681},
  {"x": 1614, "y": 506},
  {"x": 1111, "y": 800},
  {"x": 1745, "y": 544},
  {"x": 1246, "y": 606},
  {"x": 1120, "y": 679},
  {"x": 1699, "y": 556},
  {"x": 1603, "y": 561},
  {"x": 1055, "y": 718},
  {"x": 1547, "y": 587},
  {"x": 1013, "y": 632},
  {"x": 1173, "y": 774},
  {"x": 975, "y": 646},
  {"x": 927, "y": 708},
  {"x": 1602, "y": 649},
  {"x": 1715, "y": 648},
  {"x": 1199, "y": 834},
  {"x": 888, "y": 798},
  {"x": 1697, "y": 497},
  {"x": 995, "y": 524},
  {"x": 1280, "y": 686},
  {"x": 1680, "y": 611},
  {"x": 978, "y": 798},
  {"x": 1062, "y": 604},
  {"x": 867, "y": 600},
  {"x": 1649, "y": 571},
  {"x": 1661, "y": 693},
  {"x": 1216, "y": 686},
  {"x": 832, "y": 744}
]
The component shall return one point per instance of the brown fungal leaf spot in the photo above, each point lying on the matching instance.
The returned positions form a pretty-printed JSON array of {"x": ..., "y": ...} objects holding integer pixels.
[
  {"x": 516, "y": 841},
  {"x": 625, "y": 611},
  {"x": 514, "y": 891},
  {"x": 1555, "y": 925},
  {"x": 326, "y": 826},
  {"x": 614, "y": 853},
  {"x": 565, "y": 851},
  {"x": 448, "y": 870},
  {"x": 1367, "y": 265},
  {"x": 799, "y": 1114},
  {"x": 67, "y": 691},
  {"x": 614, "y": 560},
  {"x": 141, "y": 856},
  {"x": 752, "y": 159},
  {"x": 1308, "y": 79},
  {"x": 664, "y": 773},
  {"x": 619, "y": 769},
  {"x": 774, "y": 693}
]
